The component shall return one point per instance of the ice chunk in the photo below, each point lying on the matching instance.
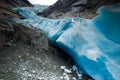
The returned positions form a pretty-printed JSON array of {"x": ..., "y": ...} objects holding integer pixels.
[
  {"x": 66, "y": 76},
  {"x": 66, "y": 70}
]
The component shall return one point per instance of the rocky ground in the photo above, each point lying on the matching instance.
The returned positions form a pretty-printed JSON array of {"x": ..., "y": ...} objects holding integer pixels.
[{"x": 23, "y": 62}]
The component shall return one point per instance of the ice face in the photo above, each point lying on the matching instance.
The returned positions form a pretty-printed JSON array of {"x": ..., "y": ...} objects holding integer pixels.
[
  {"x": 94, "y": 44},
  {"x": 108, "y": 22},
  {"x": 28, "y": 14}
]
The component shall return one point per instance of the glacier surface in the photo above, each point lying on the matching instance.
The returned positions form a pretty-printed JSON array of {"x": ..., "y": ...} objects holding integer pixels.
[{"x": 94, "y": 44}]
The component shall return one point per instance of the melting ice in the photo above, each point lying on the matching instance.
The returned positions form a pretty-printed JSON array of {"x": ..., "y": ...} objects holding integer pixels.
[{"x": 93, "y": 44}]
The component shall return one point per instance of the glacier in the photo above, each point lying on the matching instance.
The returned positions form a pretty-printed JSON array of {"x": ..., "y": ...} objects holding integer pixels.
[{"x": 94, "y": 44}]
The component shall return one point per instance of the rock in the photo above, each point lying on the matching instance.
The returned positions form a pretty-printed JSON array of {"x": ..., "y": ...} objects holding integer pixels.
[
  {"x": 75, "y": 6},
  {"x": 12, "y": 31},
  {"x": 17, "y": 32},
  {"x": 15, "y": 3},
  {"x": 7, "y": 5},
  {"x": 2, "y": 40}
]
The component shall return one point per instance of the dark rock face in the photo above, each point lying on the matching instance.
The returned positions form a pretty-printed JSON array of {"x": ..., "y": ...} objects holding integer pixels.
[
  {"x": 9, "y": 30},
  {"x": 15, "y": 3},
  {"x": 75, "y": 6},
  {"x": 7, "y": 5}
]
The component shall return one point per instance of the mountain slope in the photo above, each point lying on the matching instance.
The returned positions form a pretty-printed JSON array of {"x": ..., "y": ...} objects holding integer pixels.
[
  {"x": 75, "y": 6},
  {"x": 8, "y": 28}
]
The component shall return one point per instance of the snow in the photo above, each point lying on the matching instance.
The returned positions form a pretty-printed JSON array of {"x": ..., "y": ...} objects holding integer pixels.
[{"x": 94, "y": 44}]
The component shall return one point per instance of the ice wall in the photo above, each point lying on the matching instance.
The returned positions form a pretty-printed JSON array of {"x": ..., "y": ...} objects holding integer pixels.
[
  {"x": 93, "y": 44},
  {"x": 108, "y": 22}
]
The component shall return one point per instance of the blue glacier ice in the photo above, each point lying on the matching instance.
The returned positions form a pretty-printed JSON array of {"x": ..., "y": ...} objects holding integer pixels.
[
  {"x": 108, "y": 22},
  {"x": 30, "y": 12},
  {"x": 94, "y": 44}
]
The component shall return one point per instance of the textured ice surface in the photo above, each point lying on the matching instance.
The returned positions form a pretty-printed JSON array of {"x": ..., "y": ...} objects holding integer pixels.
[
  {"x": 30, "y": 12},
  {"x": 93, "y": 44}
]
